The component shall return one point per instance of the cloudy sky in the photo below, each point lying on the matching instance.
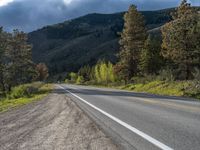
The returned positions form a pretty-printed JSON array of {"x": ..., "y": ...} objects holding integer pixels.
[{"x": 28, "y": 15}]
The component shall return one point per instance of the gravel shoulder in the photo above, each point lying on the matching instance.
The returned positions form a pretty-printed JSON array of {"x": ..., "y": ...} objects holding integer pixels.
[{"x": 54, "y": 123}]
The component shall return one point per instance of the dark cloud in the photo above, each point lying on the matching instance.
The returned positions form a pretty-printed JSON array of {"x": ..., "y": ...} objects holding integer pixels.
[{"x": 29, "y": 15}]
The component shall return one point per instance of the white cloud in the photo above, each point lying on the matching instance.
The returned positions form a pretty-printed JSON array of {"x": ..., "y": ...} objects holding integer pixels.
[
  {"x": 5, "y": 2},
  {"x": 67, "y": 2}
]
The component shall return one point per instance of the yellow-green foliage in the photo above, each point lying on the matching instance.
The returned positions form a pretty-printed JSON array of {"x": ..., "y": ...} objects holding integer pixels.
[
  {"x": 111, "y": 73},
  {"x": 73, "y": 76},
  {"x": 9, "y": 102},
  {"x": 174, "y": 88},
  {"x": 25, "y": 90},
  {"x": 104, "y": 72},
  {"x": 80, "y": 80},
  {"x": 97, "y": 74}
]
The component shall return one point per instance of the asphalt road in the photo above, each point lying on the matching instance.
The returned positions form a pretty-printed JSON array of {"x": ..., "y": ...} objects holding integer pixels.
[{"x": 141, "y": 121}]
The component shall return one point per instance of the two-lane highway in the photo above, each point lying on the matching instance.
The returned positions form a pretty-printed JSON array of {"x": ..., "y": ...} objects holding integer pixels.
[{"x": 143, "y": 121}]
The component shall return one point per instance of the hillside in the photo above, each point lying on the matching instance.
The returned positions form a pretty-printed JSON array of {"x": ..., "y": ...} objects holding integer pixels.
[{"x": 69, "y": 45}]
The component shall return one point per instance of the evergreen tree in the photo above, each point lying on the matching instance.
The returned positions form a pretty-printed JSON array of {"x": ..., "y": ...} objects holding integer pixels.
[
  {"x": 181, "y": 40},
  {"x": 85, "y": 72},
  {"x": 20, "y": 65},
  {"x": 131, "y": 42},
  {"x": 151, "y": 59},
  {"x": 3, "y": 45}
]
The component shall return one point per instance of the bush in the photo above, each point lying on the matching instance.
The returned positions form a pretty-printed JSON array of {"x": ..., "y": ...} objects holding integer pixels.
[
  {"x": 73, "y": 76},
  {"x": 24, "y": 90},
  {"x": 80, "y": 80},
  {"x": 67, "y": 81},
  {"x": 143, "y": 80},
  {"x": 91, "y": 82},
  {"x": 166, "y": 75},
  {"x": 193, "y": 90}
]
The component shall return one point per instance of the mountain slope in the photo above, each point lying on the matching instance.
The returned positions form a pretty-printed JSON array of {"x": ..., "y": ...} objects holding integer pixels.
[{"x": 69, "y": 45}]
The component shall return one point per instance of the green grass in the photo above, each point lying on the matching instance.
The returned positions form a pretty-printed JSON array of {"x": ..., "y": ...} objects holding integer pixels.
[
  {"x": 159, "y": 87},
  {"x": 173, "y": 88},
  {"x": 7, "y": 103},
  {"x": 168, "y": 88}
]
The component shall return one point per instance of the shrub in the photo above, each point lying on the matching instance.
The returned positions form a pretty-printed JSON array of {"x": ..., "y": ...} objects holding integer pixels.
[
  {"x": 25, "y": 90},
  {"x": 80, "y": 80},
  {"x": 73, "y": 76},
  {"x": 193, "y": 89},
  {"x": 67, "y": 81},
  {"x": 91, "y": 82},
  {"x": 166, "y": 75},
  {"x": 144, "y": 79},
  {"x": 19, "y": 91}
]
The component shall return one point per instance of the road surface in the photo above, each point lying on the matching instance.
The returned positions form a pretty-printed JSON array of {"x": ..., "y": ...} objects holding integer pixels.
[{"x": 141, "y": 121}]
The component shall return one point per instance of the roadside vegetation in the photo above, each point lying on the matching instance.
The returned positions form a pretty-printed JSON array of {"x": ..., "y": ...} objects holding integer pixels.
[
  {"x": 170, "y": 66},
  {"x": 18, "y": 73},
  {"x": 24, "y": 94}
]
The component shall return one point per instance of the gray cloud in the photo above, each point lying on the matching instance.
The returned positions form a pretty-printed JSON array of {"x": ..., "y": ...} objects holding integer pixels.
[{"x": 29, "y": 15}]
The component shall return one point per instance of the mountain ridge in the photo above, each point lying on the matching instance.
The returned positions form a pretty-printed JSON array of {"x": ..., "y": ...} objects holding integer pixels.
[{"x": 67, "y": 46}]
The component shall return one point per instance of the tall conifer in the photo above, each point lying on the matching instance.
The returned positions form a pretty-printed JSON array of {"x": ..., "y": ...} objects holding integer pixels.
[
  {"x": 132, "y": 41},
  {"x": 181, "y": 40}
]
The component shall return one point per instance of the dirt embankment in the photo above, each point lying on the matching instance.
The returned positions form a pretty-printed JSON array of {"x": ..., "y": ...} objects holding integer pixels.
[{"x": 54, "y": 123}]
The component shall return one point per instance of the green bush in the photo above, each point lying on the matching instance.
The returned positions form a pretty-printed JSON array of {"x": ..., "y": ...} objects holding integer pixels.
[
  {"x": 73, "y": 76},
  {"x": 67, "y": 81},
  {"x": 174, "y": 88},
  {"x": 91, "y": 82},
  {"x": 166, "y": 75},
  {"x": 193, "y": 89},
  {"x": 143, "y": 80},
  {"x": 80, "y": 80},
  {"x": 25, "y": 90}
]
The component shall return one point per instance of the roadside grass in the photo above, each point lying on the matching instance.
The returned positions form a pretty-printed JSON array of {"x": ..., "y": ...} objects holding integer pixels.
[
  {"x": 159, "y": 87},
  {"x": 23, "y": 95},
  {"x": 167, "y": 88}
]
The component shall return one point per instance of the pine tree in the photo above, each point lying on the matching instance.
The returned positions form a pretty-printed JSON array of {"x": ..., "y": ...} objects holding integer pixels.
[
  {"x": 3, "y": 45},
  {"x": 151, "y": 60},
  {"x": 132, "y": 41},
  {"x": 85, "y": 72},
  {"x": 20, "y": 65},
  {"x": 181, "y": 40}
]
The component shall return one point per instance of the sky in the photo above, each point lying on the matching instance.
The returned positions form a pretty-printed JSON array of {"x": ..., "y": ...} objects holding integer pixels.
[{"x": 29, "y": 15}]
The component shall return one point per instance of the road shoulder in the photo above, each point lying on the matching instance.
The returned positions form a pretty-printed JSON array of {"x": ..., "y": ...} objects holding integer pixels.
[{"x": 52, "y": 123}]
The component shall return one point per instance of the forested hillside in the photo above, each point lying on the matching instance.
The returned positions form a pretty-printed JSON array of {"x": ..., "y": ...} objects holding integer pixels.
[
  {"x": 164, "y": 60},
  {"x": 67, "y": 46}
]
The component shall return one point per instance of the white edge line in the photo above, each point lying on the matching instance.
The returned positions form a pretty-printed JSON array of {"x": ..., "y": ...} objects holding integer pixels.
[{"x": 136, "y": 131}]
